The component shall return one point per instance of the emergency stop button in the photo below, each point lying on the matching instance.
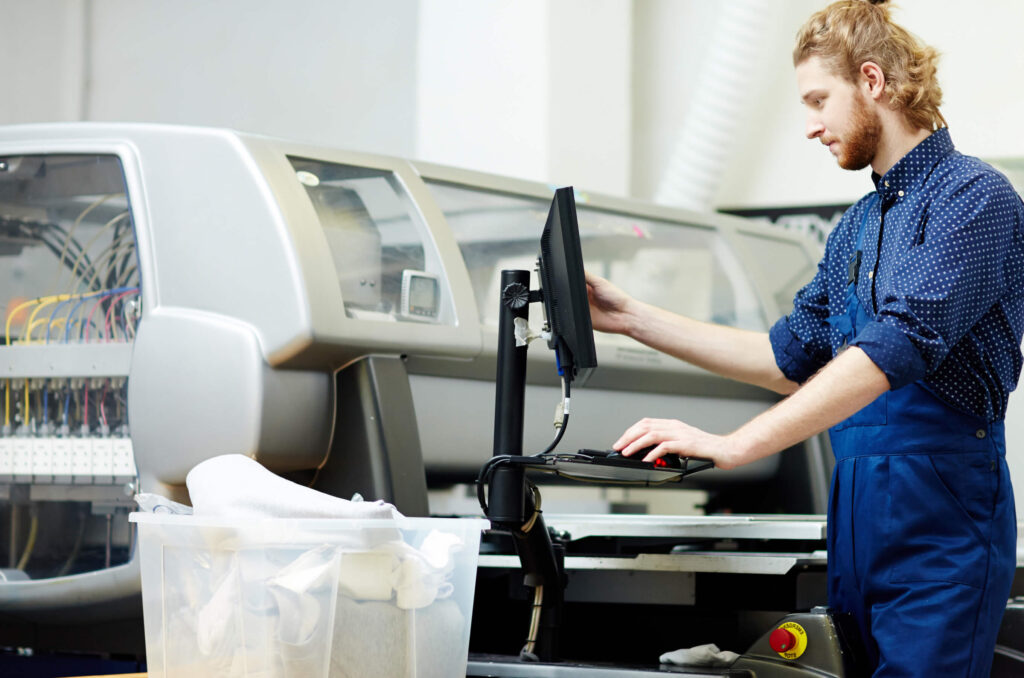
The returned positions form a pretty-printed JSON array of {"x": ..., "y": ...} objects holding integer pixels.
[
  {"x": 789, "y": 640},
  {"x": 782, "y": 640}
]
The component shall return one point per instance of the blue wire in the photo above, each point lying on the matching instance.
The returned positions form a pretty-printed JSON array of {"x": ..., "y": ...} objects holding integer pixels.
[
  {"x": 67, "y": 325},
  {"x": 53, "y": 315},
  {"x": 107, "y": 293},
  {"x": 67, "y": 403}
]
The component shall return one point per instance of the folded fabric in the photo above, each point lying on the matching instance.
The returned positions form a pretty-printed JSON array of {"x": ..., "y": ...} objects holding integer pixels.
[
  {"x": 235, "y": 486},
  {"x": 701, "y": 655}
]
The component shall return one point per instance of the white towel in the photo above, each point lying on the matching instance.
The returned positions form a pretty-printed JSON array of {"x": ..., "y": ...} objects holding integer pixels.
[
  {"x": 701, "y": 655},
  {"x": 235, "y": 486}
]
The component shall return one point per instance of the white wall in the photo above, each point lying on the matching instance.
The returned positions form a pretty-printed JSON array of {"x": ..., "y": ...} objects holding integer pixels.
[
  {"x": 531, "y": 89},
  {"x": 336, "y": 73}
]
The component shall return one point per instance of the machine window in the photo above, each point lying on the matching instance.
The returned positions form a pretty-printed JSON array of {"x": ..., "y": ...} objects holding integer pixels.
[
  {"x": 387, "y": 267},
  {"x": 69, "y": 275},
  {"x": 685, "y": 268}
]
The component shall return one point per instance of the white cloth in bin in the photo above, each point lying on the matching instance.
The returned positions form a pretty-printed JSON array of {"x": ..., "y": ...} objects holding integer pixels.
[
  {"x": 236, "y": 486},
  {"x": 391, "y": 596}
]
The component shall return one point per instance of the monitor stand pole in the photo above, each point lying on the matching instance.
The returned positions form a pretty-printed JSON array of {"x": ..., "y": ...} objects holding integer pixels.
[{"x": 513, "y": 504}]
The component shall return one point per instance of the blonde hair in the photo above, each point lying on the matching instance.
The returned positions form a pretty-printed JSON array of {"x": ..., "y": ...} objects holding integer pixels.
[{"x": 848, "y": 33}]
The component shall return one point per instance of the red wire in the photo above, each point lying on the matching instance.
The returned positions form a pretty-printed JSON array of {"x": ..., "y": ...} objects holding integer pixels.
[
  {"x": 103, "y": 400},
  {"x": 88, "y": 321},
  {"x": 110, "y": 308}
]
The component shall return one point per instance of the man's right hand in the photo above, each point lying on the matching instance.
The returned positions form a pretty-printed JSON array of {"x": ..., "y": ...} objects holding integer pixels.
[{"x": 609, "y": 306}]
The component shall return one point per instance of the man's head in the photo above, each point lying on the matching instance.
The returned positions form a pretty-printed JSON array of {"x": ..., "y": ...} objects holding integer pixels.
[{"x": 858, "y": 73}]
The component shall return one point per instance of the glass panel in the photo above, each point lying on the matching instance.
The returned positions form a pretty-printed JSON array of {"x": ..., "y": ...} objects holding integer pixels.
[
  {"x": 785, "y": 265},
  {"x": 69, "y": 275},
  {"x": 686, "y": 269},
  {"x": 387, "y": 266}
]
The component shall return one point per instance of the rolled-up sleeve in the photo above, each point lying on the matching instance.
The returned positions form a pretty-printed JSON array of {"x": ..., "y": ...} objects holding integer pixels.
[
  {"x": 800, "y": 339},
  {"x": 943, "y": 284}
]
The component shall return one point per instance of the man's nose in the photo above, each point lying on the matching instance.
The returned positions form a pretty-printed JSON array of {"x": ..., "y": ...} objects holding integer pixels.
[{"x": 815, "y": 128}]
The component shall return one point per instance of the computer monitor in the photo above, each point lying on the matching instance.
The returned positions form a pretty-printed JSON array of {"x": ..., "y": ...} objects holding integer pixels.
[{"x": 564, "y": 290}]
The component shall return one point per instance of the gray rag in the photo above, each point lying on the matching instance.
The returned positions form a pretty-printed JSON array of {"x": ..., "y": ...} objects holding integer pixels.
[{"x": 701, "y": 655}]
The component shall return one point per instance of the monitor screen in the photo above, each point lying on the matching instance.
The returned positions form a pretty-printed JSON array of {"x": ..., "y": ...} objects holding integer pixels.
[{"x": 564, "y": 289}]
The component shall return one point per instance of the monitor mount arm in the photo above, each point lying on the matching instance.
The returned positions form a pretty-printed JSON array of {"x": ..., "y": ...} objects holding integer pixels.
[{"x": 514, "y": 502}]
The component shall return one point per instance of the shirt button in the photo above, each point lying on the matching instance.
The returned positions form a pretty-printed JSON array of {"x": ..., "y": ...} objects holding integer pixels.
[
  {"x": 900, "y": 194},
  {"x": 979, "y": 434},
  {"x": 887, "y": 184},
  {"x": 871, "y": 275}
]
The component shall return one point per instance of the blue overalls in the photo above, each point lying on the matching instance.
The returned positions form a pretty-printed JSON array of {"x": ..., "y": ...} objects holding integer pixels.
[{"x": 921, "y": 525}]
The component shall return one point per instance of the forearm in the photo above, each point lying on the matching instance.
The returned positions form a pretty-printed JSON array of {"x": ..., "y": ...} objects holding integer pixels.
[
  {"x": 734, "y": 353},
  {"x": 846, "y": 385}
]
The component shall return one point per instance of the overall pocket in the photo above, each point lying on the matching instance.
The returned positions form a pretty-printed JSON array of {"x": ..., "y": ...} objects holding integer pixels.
[{"x": 941, "y": 516}]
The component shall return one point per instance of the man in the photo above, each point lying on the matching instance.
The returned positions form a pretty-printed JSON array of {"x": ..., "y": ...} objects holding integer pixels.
[{"x": 905, "y": 345}]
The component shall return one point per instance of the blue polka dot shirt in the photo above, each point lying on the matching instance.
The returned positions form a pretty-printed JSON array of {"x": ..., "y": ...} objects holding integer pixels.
[{"x": 941, "y": 276}]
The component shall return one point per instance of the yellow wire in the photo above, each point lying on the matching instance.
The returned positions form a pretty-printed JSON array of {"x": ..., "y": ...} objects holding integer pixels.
[
  {"x": 60, "y": 321},
  {"x": 43, "y": 302},
  {"x": 10, "y": 316},
  {"x": 33, "y": 326},
  {"x": 7, "y": 342},
  {"x": 30, "y": 545}
]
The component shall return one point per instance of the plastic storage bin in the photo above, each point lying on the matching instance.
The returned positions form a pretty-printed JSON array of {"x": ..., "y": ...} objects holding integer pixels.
[{"x": 307, "y": 598}]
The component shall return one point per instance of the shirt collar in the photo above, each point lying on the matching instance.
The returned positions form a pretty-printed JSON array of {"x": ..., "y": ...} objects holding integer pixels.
[{"x": 912, "y": 169}]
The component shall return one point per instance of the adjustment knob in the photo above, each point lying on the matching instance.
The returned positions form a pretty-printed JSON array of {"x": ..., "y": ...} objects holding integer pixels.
[
  {"x": 515, "y": 295},
  {"x": 782, "y": 640}
]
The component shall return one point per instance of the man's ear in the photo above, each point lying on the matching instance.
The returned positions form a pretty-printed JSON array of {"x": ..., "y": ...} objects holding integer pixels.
[{"x": 872, "y": 80}]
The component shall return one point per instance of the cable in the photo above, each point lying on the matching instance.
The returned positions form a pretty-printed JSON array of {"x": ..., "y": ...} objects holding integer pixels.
[
  {"x": 484, "y": 477},
  {"x": 74, "y": 269},
  {"x": 99, "y": 296},
  {"x": 531, "y": 639},
  {"x": 110, "y": 309},
  {"x": 565, "y": 420},
  {"x": 109, "y": 255},
  {"x": 67, "y": 404},
  {"x": 73, "y": 556},
  {"x": 103, "y": 403},
  {"x": 102, "y": 199},
  {"x": 30, "y": 545},
  {"x": 42, "y": 302},
  {"x": 53, "y": 316},
  {"x": 10, "y": 317},
  {"x": 88, "y": 320},
  {"x": 528, "y": 525}
]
